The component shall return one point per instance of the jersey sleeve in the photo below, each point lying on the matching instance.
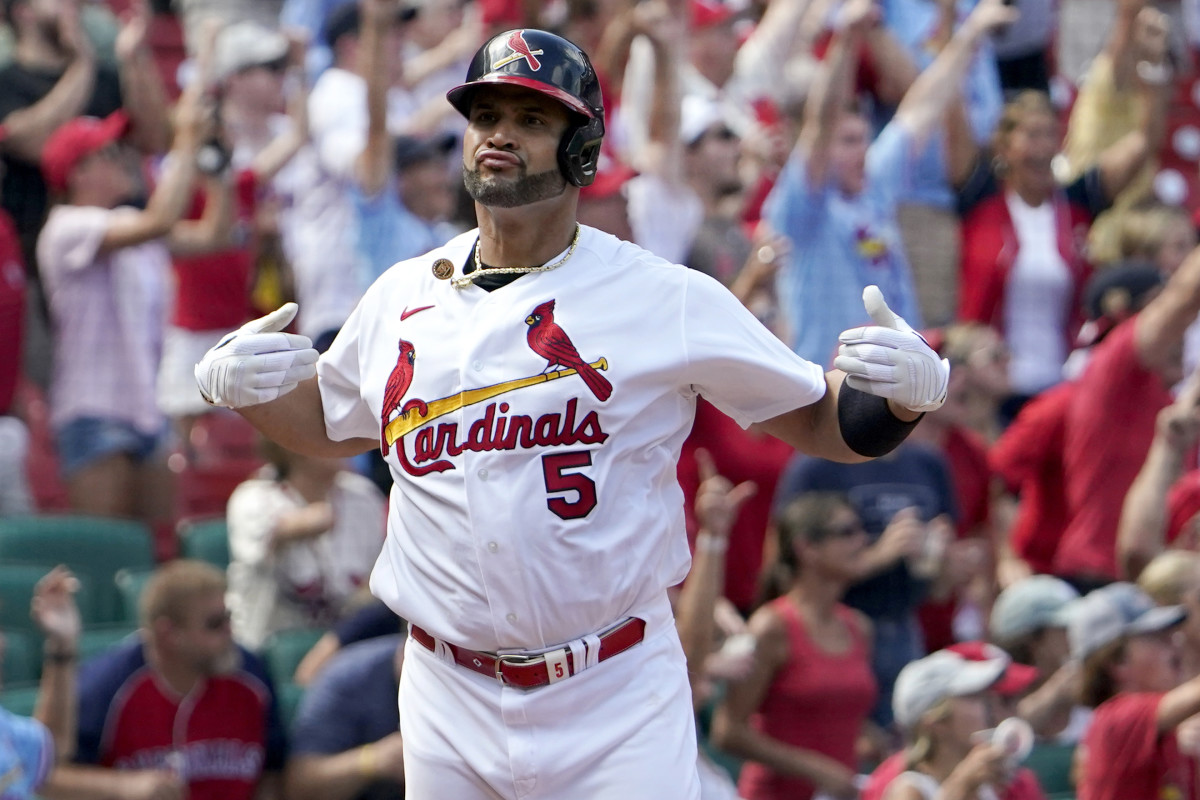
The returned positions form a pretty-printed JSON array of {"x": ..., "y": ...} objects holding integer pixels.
[
  {"x": 339, "y": 376},
  {"x": 736, "y": 363}
]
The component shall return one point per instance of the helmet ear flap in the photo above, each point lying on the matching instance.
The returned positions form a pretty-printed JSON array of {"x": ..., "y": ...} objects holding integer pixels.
[{"x": 579, "y": 151}]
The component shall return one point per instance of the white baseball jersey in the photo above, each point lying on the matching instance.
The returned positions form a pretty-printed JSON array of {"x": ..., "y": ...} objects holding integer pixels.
[{"x": 535, "y": 432}]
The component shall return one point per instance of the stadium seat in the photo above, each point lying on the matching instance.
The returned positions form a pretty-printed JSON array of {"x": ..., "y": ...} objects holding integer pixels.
[
  {"x": 726, "y": 761},
  {"x": 289, "y": 695},
  {"x": 22, "y": 657},
  {"x": 19, "y": 698},
  {"x": 130, "y": 583},
  {"x": 205, "y": 539},
  {"x": 284, "y": 650},
  {"x": 1052, "y": 765},
  {"x": 93, "y": 547},
  {"x": 224, "y": 452}
]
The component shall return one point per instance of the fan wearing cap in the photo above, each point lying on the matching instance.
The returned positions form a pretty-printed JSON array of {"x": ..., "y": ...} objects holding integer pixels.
[
  {"x": 1030, "y": 457},
  {"x": 1128, "y": 378},
  {"x": 1173, "y": 578},
  {"x": 943, "y": 702},
  {"x": 1029, "y": 621},
  {"x": 1132, "y": 677},
  {"x": 54, "y": 76},
  {"x": 1002, "y": 697},
  {"x": 1027, "y": 459},
  {"x": 105, "y": 266}
]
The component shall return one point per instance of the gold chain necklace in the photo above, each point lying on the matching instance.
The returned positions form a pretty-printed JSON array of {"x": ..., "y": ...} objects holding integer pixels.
[{"x": 466, "y": 280}]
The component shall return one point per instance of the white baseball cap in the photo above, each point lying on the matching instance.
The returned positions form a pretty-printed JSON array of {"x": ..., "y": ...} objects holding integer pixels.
[
  {"x": 1119, "y": 609},
  {"x": 924, "y": 683},
  {"x": 247, "y": 44},
  {"x": 1039, "y": 601},
  {"x": 696, "y": 115}
]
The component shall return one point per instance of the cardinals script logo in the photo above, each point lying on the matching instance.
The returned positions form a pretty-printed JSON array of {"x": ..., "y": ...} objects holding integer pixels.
[
  {"x": 520, "y": 50},
  {"x": 495, "y": 430}
]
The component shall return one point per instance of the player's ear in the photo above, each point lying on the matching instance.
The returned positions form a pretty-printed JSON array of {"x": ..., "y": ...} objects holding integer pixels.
[{"x": 163, "y": 630}]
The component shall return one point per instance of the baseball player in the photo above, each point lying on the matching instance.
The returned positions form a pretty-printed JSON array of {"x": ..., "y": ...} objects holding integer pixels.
[{"x": 533, "y": 382}]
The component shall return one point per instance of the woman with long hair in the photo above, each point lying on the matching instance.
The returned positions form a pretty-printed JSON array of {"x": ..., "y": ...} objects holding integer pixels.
[{"x": 797, "y": 716}]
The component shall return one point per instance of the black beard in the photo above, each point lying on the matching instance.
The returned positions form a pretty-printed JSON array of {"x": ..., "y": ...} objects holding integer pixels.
[{"x": 525, "y": 189}]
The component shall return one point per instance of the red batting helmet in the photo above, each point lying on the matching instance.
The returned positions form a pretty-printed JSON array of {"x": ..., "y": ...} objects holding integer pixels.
[{"x": 549, "y": 64}]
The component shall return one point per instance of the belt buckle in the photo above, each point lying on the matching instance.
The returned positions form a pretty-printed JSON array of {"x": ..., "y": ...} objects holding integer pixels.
[{"x": 516, "y": 660}]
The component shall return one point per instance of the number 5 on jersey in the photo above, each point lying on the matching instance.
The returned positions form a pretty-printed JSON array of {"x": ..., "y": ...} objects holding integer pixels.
[{"x": 559, "y": 480}]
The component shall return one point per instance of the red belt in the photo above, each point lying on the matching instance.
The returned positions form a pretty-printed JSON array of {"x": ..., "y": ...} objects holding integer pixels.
[{"x": 528, "y": 672}]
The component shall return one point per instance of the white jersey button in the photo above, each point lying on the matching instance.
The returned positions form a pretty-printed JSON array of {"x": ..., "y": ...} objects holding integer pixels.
[
  {"x": 483, "y": 474},
  {"x": 478, "y": 365},
  {"x": 492, "y": 546},
  {"x": 512, "y": 618}
]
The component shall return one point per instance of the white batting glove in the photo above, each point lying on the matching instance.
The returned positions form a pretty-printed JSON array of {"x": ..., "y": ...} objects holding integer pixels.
[
  {"x": 256, "y": 363},
  {"x": 889, "y": 359}
]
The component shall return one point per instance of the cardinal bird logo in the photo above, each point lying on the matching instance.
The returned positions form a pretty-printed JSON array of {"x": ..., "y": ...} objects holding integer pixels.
[
  {"x": 548, "y": 339},
  {"x": 397, "y": 384},
  {"x": 516, "y": 43}
]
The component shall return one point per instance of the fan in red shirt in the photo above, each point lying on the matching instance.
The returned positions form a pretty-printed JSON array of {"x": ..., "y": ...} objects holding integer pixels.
[
  {"x": 1029, "y": 458},
  {"x": 1132, "y": 677},
  {"x": 797, "y": 715},
  {"x": 1125, "y": 384},
  {"x": 179, "y": 710}
]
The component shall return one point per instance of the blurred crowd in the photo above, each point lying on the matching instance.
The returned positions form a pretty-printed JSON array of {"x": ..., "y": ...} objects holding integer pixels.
[{"x": 1020, "y": 178}]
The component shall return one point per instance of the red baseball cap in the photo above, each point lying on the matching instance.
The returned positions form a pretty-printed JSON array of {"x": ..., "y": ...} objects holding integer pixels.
[
  {"x": 1016, "y": 678},
  {"x": 74, "y": 141},
  {"x": 610, "y": 179},
  {"x": 707, "y": 13}
]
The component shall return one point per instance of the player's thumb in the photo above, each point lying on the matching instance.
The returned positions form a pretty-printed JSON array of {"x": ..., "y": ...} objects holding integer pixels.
[
  {"x": 878, "y": 309},
  {"x": 274, "y": 322}
]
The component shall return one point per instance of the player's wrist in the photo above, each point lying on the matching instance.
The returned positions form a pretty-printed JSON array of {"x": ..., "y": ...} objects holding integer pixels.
[
  {"x": 60, "y": 652},
  {"x": 707, "y": 542}
]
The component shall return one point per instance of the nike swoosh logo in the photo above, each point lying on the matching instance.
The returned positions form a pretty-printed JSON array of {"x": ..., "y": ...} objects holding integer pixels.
[{"x": 405, "y": 314}]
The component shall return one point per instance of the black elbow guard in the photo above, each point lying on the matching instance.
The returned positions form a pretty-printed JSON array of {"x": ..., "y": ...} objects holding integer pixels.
[{"x": 868, "y": 426}]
